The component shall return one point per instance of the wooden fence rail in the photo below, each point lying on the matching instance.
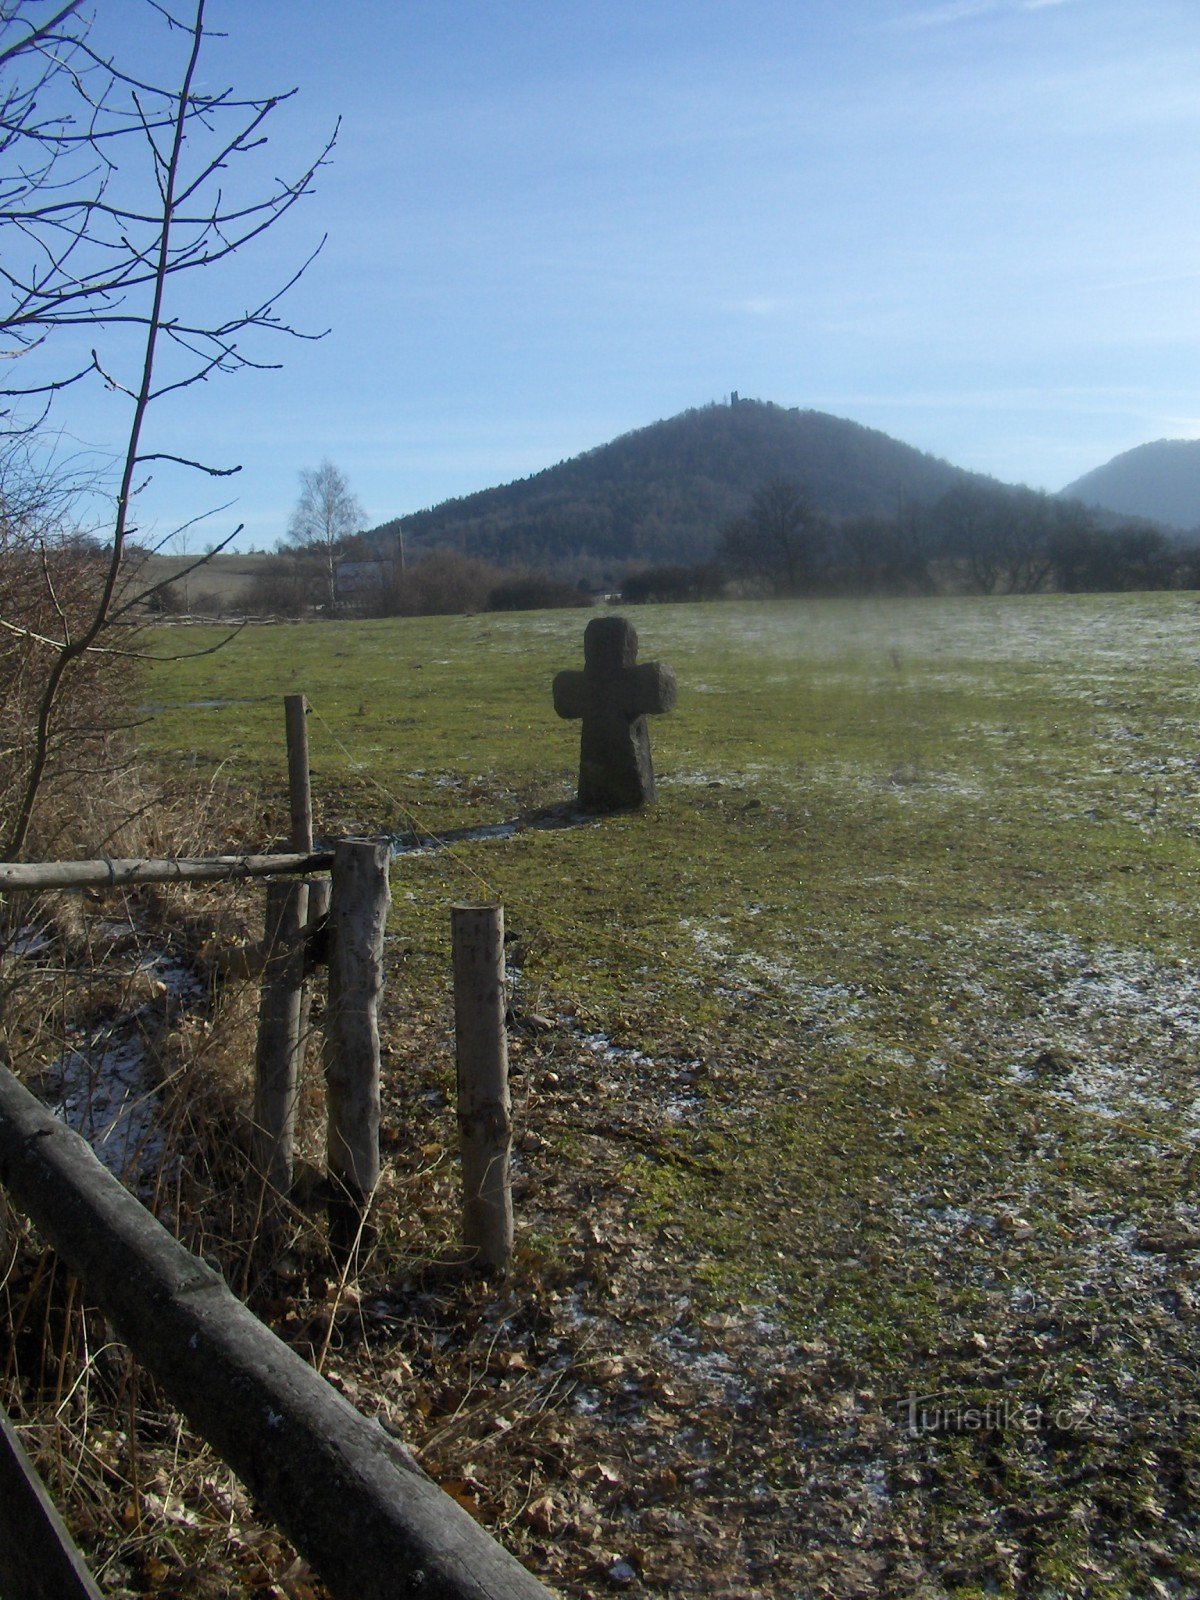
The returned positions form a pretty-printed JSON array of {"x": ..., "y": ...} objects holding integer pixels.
[
  {"x": 347, "y": 1494},
  {"x": 106, "y": 874}
]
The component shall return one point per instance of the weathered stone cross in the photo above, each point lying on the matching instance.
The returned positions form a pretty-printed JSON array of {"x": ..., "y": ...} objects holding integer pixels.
[{"x": 613, "y": 696}]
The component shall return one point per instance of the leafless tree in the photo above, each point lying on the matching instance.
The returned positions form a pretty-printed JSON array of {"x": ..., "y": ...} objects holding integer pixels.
[
  {"x": 326, "y": 515},
  {"x": 117, "y": 194},
  {"x": 778, "y": 539}
]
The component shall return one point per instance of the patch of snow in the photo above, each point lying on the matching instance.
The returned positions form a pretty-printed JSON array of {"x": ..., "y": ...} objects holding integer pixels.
[
  {"x": 683, "y": 1108},
  {"x": 600, "y": 1045},
  {"x": 427, "y": 844},
  {"x": 713, "y": 1366},
  {"x": 876, "y": 1484}
]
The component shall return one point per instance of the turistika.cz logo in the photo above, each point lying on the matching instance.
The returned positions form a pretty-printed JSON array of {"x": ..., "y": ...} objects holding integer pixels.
[{"x": 924, "y": 1414}]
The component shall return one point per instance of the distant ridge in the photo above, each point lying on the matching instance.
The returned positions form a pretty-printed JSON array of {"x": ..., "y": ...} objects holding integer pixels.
[
  {"x": 1159, "y": 480},
  {"x": 664, "y": 492}
]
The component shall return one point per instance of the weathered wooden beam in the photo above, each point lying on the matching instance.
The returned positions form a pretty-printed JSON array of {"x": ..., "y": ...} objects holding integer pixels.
[
  {"x": 38, "y": 1558},
  {"x": 249, "y": 960},
  {"x": 236, "y": 960},
  {"x": 347, "y": 1494},
  {"x": 105, "y": 874}
]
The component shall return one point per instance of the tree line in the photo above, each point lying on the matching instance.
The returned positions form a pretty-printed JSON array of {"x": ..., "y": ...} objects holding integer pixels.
[
  {"x": 438, "y": 583},
  {"x": 975, "y": 538}
]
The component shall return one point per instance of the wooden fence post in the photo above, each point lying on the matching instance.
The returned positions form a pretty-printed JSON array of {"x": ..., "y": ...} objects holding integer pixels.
[
  {"x": 484, "y": 1106},
  {"x": 295, "y": 711},
  {"x": 357, "y": 920},
  {"x": 284, "y": 1001},
  {"x": 276, "y": 1078}
]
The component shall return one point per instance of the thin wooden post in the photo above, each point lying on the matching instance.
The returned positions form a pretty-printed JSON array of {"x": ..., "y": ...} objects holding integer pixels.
[
  {"x": 276, "y": 1081},
  {"x": 357, "y": 921},
  {"x": 484, "y": 1106},
  {"x": 282, "y": 1011},
  {"x": 295, "y": 713}
]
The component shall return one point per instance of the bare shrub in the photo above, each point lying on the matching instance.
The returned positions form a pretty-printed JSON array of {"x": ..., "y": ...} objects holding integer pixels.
[
  {"x": 663, "y": 584},
  {"x": 50, "y": 582},
  {"x": 121, "y": 204},
  {"x": 287, "y": 588},
  {"x": 535, "y": 591},
  {"x": 442, "y": 583}
]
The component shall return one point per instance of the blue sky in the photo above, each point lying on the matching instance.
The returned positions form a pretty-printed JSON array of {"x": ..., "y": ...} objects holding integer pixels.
[{"x": 971, "y": 223}]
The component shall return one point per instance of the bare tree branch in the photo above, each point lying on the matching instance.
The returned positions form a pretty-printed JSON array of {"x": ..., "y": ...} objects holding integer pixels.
[{"x": 114, "y": 192}]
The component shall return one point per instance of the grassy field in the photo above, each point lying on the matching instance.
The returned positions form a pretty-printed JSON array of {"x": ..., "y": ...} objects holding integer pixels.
[{"x": 859, "y": 1181}]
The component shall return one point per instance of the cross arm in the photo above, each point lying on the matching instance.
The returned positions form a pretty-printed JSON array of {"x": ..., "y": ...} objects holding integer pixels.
[
  {"x": 568, "y": 693},
  {"x": 649, "y": 688}
]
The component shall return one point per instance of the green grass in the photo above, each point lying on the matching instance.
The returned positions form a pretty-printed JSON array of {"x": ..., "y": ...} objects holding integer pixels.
[{"x": 920, "y": 898}]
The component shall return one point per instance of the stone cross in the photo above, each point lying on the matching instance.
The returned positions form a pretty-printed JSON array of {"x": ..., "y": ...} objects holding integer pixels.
[{"x": 613, "y": 696}]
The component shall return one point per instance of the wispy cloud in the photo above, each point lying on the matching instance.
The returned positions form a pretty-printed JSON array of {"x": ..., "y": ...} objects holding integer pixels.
[
  {"x": 1157, "y": 280},
  {"x": 954, "y": 11},
  {"x": 1090, "y": 399},
  {"x": 760, "y": 305}
]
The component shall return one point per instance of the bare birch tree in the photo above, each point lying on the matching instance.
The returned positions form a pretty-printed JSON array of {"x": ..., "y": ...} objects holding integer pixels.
[{"x": 326, "y": 515}]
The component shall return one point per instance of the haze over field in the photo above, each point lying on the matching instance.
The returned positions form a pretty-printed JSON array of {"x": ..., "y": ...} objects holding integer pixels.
[{"x": 967, "y": 223}]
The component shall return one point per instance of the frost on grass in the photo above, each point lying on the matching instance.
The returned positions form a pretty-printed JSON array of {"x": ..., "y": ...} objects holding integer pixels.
[
  {"x": 1113, "y": 1031},
  {"x": 739, "y": 972},
  {"x": 1096, "y": 1054}
]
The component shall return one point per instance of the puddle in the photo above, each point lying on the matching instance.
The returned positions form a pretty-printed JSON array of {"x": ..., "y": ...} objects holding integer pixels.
[
  {"x": 156, "y": 708},
  {"x": 551, "y": 820},
  {"x": 106, "y": 1097},
  {"x": 30, "y": 941},
  {"x": 402, "y": 844},
  {"x": 104, "y": 1089}
]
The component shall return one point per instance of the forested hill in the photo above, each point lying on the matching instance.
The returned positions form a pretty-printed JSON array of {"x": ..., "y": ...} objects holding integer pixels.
[
  {"x": 663, "y": 493},
  {"x": 1159, "y": 480}
]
